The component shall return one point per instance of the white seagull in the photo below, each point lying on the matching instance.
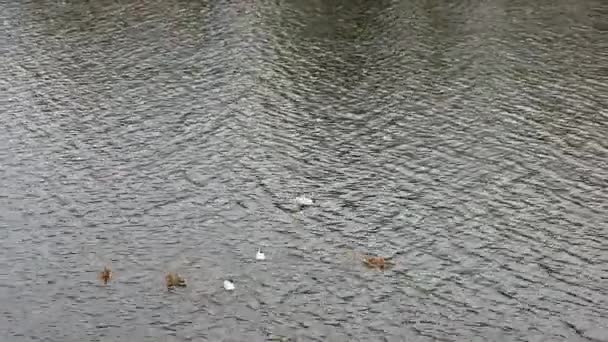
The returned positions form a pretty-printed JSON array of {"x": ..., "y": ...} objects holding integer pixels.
[
  {"x": 228, "y": 285},
  {"x": 260, "y": 255},
  {"x": 303, "y": 200}
]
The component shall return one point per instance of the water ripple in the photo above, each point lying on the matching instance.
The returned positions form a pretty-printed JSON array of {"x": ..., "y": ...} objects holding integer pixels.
[{"x": 465, "y": 141}]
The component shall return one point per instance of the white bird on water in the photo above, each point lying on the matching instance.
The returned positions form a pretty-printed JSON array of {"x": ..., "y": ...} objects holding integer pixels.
[
  {"x": 260, "y": 255},
  {"x": 303, "y": 200},
  {"x": 228, "y": 285}
]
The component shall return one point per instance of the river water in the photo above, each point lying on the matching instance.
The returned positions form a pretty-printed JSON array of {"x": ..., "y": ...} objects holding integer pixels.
[{"x": 466, "y": 140}]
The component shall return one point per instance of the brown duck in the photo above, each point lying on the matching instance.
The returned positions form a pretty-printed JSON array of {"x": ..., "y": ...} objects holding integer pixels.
[
  {"x": 174, "y": 280},
  {"x": 105, "y": 276},
  {"x": 380, "y": 263}
]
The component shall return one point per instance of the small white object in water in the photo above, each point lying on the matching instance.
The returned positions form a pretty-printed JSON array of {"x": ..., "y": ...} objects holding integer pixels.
[
  {"x": 228, "y": 285},
  {"x": 303, "y": 200},
  {"x": 260, "y": 255}
]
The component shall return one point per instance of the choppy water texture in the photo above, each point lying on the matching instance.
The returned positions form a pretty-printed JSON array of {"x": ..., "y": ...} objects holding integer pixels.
[{"x": 466, "y": 139}]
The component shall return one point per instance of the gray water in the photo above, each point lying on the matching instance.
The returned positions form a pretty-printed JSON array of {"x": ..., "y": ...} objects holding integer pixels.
[{"x": 467, "y": 140}]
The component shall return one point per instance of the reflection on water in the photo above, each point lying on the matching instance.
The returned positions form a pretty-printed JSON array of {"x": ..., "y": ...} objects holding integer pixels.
[{"x": 466, "y": 140}]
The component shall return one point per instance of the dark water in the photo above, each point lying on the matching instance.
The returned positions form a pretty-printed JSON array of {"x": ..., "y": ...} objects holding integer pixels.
[{"x": 466, "y": 139}]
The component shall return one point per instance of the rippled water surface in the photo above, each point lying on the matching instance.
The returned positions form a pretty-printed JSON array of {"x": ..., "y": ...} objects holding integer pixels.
[{"x": 467, "y": 140}]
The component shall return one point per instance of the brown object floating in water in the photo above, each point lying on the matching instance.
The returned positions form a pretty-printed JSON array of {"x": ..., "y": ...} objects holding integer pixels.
[
  {"x": 174, "y": 280},
  {"x": 106, "y": 275},
  {"x": 377, "y": 262}
]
